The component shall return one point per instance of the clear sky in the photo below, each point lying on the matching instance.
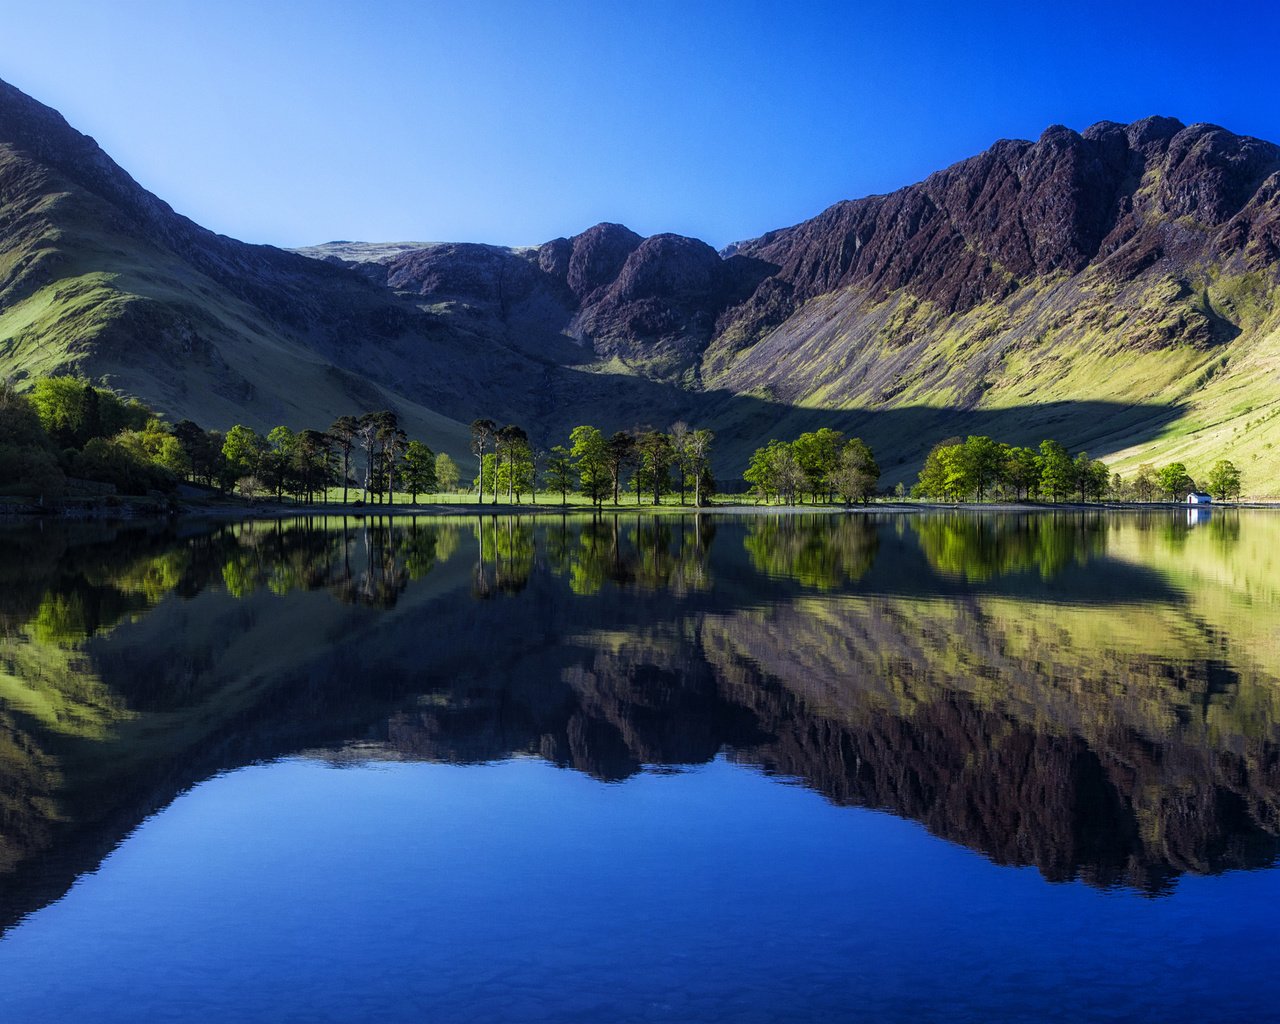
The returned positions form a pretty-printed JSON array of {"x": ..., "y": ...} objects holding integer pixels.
[{"x": 514, "y": 122}]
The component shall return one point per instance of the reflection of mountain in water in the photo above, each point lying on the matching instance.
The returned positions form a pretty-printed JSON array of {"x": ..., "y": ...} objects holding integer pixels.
[{"x": 1056, "y": 697}]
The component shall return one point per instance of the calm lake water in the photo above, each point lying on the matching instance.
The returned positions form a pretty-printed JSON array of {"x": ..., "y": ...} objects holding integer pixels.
[{"x": 877, "y": 767}]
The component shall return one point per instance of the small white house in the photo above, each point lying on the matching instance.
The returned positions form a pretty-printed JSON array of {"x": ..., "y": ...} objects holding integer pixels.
[{"x": 1199, "y": 498}]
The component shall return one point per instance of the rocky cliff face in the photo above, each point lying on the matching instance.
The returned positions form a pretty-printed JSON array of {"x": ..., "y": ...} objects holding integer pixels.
[{"x": 1113, "y": 196}]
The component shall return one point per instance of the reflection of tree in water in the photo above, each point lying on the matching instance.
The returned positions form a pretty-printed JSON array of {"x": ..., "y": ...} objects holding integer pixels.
[
  {"x": 819, "y": 551},
  {"x": 378, "y": 576},
  {"x": 651, "y": 554},
  {"x": 980, "y": 547},
  {"x": 506, "y": 555}
]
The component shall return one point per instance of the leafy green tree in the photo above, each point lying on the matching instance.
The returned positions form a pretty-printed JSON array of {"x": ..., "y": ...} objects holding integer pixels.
[
  {"x": 857, "y": 473},
  {"x": 980, "y": 460},
  {"x": 242, "y": 448},
  {"x": 558, "y": 475},
  {"x": 68, "y": 408},
  {"x": 155, "y": 444},
  {"x": 27, "y": 462},
  {"x": 276, "y": 464},
  {"x": 590, "y": 461},
  {"x": 1057, "y": 471},
  {"x": 1020, "y": 471},
  {"x": 1224, "y": 480},
  {"x": 1174, "y": 481},
  {"x": 818, "y": 453},
  {"x": 656, "y": 459},
  {"x": 419, "y": 469},
  {"x": 760, "y": 473},
  {"x": 940, "y": 475},
  {"x": 1145, "y": 482},
  {"x": 516, "y": 471},
  {"x": 446, "y": 473},
  {"x": 1093, "y": 479}
]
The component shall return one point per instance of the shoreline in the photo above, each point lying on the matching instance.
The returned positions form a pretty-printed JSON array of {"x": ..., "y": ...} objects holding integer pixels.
[{"x": 153, "y": 509}]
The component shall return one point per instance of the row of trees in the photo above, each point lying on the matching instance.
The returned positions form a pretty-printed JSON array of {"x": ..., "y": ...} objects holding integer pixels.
[
  {"x": 371, "y": 453},
  {"x": 653, "y": 463},
  {"x": 66, "y": 433},
  {"x": 821, "y": 463},
  {"x": 979, "y": 467}
]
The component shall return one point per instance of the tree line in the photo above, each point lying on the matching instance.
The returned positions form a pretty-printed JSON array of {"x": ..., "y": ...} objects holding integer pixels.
[
  {"x": 650, "y": 463},
  {"x": 821, "y": 463},
  {"x": 67, "y": 434},
  {"x": 979, "y": 467}
]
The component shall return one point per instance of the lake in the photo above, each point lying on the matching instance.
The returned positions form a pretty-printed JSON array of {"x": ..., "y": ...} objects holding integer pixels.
[{"x": 931, "y": 766}]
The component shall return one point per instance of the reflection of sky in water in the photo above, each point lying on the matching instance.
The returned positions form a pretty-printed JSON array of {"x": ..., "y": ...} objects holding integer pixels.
[{"x": 410, "y": 892}]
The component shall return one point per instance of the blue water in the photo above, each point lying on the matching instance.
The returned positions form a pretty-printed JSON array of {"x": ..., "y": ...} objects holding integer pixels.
[
  {"x": 812, "y": 768},
  {"x": 297, "y": 891}
]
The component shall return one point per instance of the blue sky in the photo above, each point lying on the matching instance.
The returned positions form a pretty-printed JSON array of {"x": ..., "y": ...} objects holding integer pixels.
[{"x": 508, "y": 122}]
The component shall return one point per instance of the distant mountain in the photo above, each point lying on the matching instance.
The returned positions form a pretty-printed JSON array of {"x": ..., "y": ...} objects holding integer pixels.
[{"x": 1117, "y": 289}]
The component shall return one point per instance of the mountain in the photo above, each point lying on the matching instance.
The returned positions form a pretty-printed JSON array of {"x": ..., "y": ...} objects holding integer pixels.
[{"x": 1117, "y": 289}]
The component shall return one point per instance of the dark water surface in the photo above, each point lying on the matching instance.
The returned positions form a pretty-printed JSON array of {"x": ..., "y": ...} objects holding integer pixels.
[{"x": 877, "y": 767}]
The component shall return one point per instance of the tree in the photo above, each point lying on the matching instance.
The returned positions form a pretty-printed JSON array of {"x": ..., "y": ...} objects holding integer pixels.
[
  {"x": 419, "y": 469},
  {"x": 277, "y": 460},
  {"x": 446, "y": 473},
  {"x": 775, "y": 473},
  {"x": 154, "y": 445},
  {"x": 392, "y": 442},
  {"x": 203, "y": 448},
  {"x": 367, "y": 429},
  {"x": 344, "y": 431},
  {"x": 511, "y": 444},
  {"x": 980, "y": 461},
  {"x": 680, "y": 435},
  {"x": 587, "y": 447},
  {"x": 656, "y": 458},
  {"x": 1224, "y": 481},
  {"x": 620, "y": 454},
  {"x": 697, "y": 456},
  {"x": 1174, "y": 480},
  {"x": 68, "y": 408},
  {"x": 559, "y": 472},
  {"x": 1145, "y": 483},
  {"x": 1093, "y": 478},
  {"x": 818, "y": 453},
  {"x": 482, "y": 433},
  {"x": 1057, "y": 471},
  {"x": 1020, "y": 470},
  {"x": 761, "y": 472},
  {"x": 312, "y": 461},
  {"x": 857, "y": 473},
  {"x": 940, "y": 474},
  {"x": 242, "y": 448}
]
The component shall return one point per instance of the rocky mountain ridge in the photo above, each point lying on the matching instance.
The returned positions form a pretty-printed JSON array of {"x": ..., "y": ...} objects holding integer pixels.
[{"x": 1117, "y": 288}]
